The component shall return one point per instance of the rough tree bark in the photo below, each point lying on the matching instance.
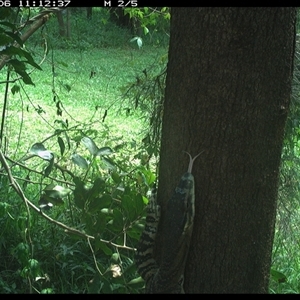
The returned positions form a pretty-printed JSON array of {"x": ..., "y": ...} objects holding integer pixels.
[{"x": 228, "y": 91}]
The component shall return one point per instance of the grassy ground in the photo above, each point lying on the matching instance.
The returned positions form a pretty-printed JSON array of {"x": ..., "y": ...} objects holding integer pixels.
[{"x": 83, "y": 99}]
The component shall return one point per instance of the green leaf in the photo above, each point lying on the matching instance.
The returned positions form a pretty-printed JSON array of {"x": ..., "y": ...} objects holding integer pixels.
[
  {"x": 106, "y": 199},
  {"x": 80, "y": 161},
  {"x": 15, "y": 89},
  {"x": 29, "y": 58},
  {"x": 19, "y": 68},
  {"x": 133, "y": 205},
  {"x": 134, "y": 39},
  {"x": 4, "y": 40},
  {"x": 47, "y": 291},
  {"x": 117, "y": 220},
  {"x": 67, "y": 87},
  {"x": 15, "y": 37},
  {"x": 115, "y": 258},
  {"x": 46, "y": 201},
  {"x": 12, "y": 50},
  {"x": 116, "y": 177},
  {"x": 37, "y": 147},
  {"x": 56, "y": 191},
  {"x": 26, "y": 78},
  {"x": 139, "y": 42},
  {"x": 34, "y": 267},
  {"x": 146, "y": 30},
  {"x": 145, "y": 200},
  {"x": 80, "y": 193},
  {"x": 61, "y": 144},
  {"x": 39, "y": 150},
  {"x": 109, "y": 163},
  {"x": 34, "y": 64},
  {"x": 90, "y": 145},
  {"x": 49, "y": 168},
  {"x": 97, "y": 204},
  {"x": 5, "y": 13},
  {"x": 127, "y": 205},
  {"x": 100, "y": 226},
  {"x": 278, "y": 276},
  {"x": 107, "y": 211},
  {"x": 103, "y": 247},
  {"x": 138, "y": 204},
  {"x": 148, "y": 176},
  {"x": 18, "y": 65},
  {"x": 137, "y": 282},
  {"x": 104, "y": 151},
  {"x": 133, "y": 233},
  {"x": 97, "y": 188},
  {"x": 8, "y": 24}
]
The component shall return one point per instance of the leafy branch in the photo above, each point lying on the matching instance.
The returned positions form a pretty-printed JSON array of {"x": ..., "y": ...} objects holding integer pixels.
[
  {"x": 37, "y": 21},
  {"x": 15, "y": 185}
]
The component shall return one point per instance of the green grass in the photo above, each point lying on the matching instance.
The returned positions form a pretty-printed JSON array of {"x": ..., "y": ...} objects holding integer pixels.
[{"x": 79, "y": 94}]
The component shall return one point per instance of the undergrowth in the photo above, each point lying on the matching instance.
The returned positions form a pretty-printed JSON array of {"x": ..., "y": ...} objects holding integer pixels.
[{"x": 76, "y": 167}]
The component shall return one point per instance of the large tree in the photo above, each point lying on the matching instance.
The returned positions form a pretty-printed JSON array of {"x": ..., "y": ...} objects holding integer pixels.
[{"x": 228, "y": 91}]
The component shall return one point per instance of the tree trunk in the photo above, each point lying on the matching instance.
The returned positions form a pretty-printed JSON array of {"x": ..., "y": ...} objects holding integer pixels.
[
  {"x": 228, "y": 91},
  {"x": 61, "y": 23},
  {"x": 89, "y": 13},
  {"x": 68, "y": 32}
]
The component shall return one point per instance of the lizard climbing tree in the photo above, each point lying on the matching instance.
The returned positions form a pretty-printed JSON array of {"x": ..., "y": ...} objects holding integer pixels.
[
  {"x": 168, "y": 276},
  {"x": 227, "y": 93}
]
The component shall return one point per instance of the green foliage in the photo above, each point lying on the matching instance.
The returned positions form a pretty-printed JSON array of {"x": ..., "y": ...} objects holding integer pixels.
[
  {"x": 11, "y": 47},
  {"x": 151, "y": 21},
  {"x": 99, "y": 32},
  {"x": 105, "y": 200},
  {"x": 72, "y": 207}
]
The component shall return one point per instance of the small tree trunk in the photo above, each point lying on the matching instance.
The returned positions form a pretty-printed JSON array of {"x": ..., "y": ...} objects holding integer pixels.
[
  {"x": 89, "y": 12},
  {"x": 61, "y": 24},
  {"x": 68, "y": 23}
]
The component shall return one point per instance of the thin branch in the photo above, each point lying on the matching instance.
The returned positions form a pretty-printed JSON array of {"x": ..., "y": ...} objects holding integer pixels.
[
  {"x": 94, "y": 257},
  {"x": 37, "y": 21},
  {"x": 4, "y": 109},
  {"x": 66, "y": 228},
  {"x": 11, "y": 81},
  {"x": 15, "y": 185},
  {"x": 39, "y": 172}
]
